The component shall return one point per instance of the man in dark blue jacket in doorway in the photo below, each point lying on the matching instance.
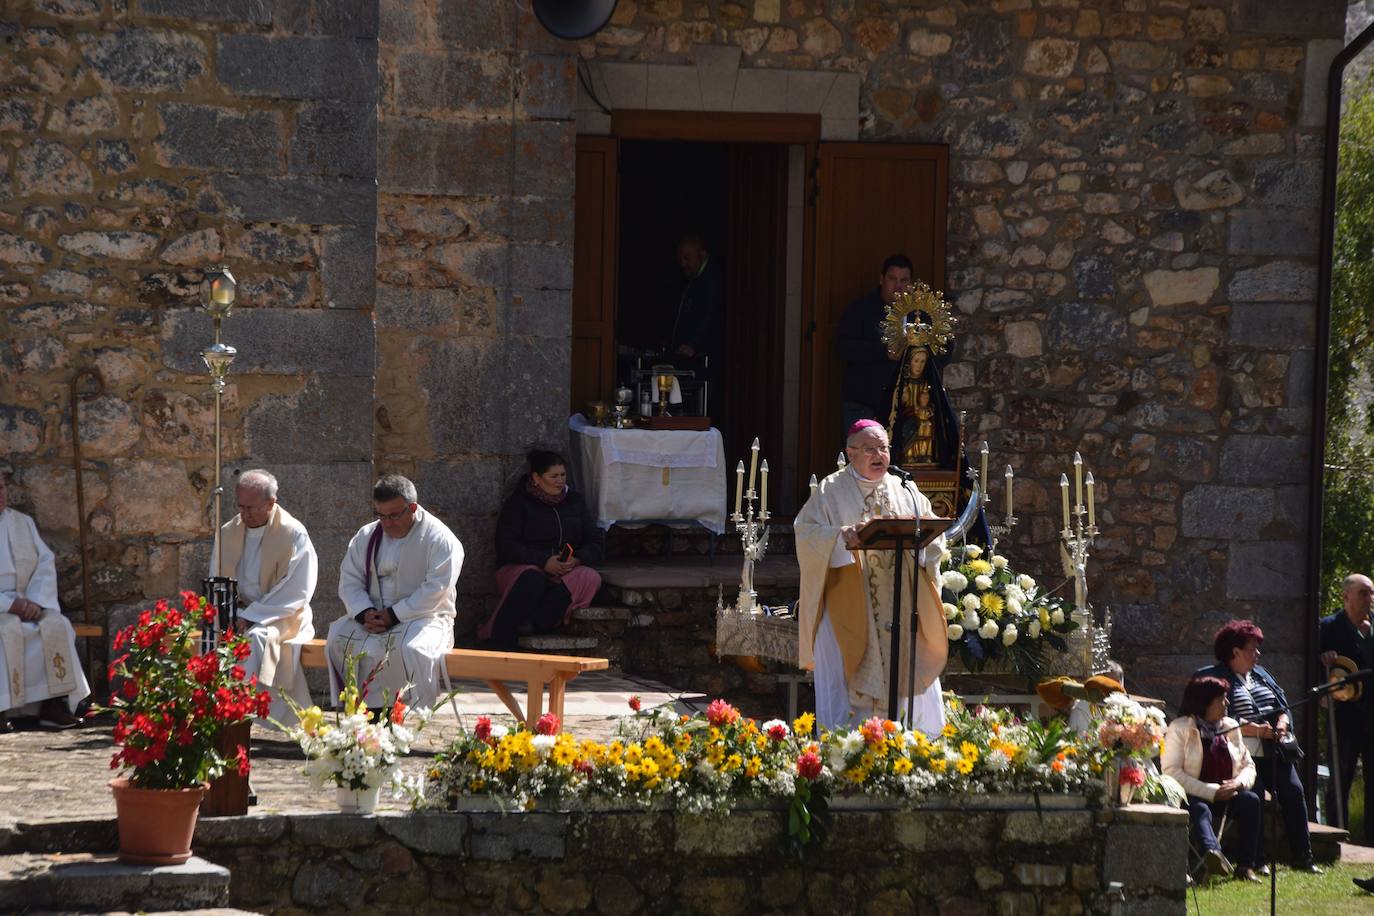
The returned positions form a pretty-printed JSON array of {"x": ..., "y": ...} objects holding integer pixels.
[{"x": 869, "y": 370}]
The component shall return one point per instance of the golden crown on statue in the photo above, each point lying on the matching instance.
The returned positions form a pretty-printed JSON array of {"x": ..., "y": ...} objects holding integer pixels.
[{"x": 933, "y": 326}]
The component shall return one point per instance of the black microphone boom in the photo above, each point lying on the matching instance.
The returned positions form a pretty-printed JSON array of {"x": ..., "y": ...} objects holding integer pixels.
[{"x": 898, "y": 473}]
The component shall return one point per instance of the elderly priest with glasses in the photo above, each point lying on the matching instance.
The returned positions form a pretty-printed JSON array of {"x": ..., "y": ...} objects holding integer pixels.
[
  {"x": 269, "y": 552},
  {"x": 846, "y": 593},
  {"x": 397, "y": 585}
]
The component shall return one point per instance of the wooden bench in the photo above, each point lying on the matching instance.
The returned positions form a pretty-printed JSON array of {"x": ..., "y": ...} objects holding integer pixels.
[
  {"x": 538, "y": 672},
  {"x": 88, "y": 631}
]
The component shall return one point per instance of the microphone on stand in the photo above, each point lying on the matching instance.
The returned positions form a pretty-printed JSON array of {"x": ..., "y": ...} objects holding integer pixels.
[
  {"x": 1354, "y": 677},
  {"x": 897, "y": 472}
]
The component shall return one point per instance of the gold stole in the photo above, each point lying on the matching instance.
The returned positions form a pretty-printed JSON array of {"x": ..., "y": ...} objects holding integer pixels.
[{"x": 277, "y": 668}]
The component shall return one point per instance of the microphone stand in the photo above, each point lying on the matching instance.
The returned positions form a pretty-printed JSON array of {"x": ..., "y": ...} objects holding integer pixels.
[{"x": 1313, "y": 695}]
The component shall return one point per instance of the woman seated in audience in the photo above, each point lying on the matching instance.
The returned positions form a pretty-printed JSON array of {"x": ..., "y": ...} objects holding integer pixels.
[
  {"x": 1259, "y": 704},
  {"x": 1205, "y": 753},
  {"x": 546, "y": 544}
]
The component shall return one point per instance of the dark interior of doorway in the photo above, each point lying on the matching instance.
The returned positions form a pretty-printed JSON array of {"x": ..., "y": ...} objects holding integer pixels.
[{"x": 733, "y": 195}]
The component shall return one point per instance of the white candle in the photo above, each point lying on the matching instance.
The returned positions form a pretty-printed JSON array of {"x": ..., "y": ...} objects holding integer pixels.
[
  {"x": 1077, "y": 480},
  {"x": 840, "y": 461},
  {"x": 1064, "y": 492},
  {"x": 983, "y": 477},
  {"x": 753, "y": 463},
  {"x": 739, "y": 485},
  {"x": 1092, "y": 517},
  {"x": 1009, "y": 499},
  {"x": 763, "y": 485},
  {"x": 814, "y": 485}
]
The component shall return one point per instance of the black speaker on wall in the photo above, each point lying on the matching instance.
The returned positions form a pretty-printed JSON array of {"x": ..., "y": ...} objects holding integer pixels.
[{"x": 574, "y": 18}]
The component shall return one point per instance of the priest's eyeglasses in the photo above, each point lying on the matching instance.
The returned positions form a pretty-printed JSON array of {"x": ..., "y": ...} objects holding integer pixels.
[
  {"x": 871, "y": 449},
  {"x": 394, "y": 516}
]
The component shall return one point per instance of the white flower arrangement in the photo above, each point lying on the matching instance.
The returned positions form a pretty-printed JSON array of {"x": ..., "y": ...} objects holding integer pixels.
[{"x": 999, "y": 613}]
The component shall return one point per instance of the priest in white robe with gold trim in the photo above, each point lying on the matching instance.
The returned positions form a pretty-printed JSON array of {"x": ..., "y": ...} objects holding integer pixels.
[
  {"x": 397, "y": 585},
  {"x": 270, "y": 554},
  {"x": 39, "y": 671},
  {"x": 845, "y": 611}
]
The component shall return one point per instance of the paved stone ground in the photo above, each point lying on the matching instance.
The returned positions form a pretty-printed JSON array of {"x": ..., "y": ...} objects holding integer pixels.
[{"x": 65, "y": 774}]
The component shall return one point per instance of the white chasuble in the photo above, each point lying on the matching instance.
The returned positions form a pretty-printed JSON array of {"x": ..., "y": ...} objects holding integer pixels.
[
  {"x": 415, "y": 577},
  {"x": 39, "y": 658},
  {"x": 845, "y": 608},
  {"x": 277, "y": 569}
]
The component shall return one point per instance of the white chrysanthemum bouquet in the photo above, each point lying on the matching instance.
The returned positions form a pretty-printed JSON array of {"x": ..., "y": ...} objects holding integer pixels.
[{"x": 993, "y": 613}]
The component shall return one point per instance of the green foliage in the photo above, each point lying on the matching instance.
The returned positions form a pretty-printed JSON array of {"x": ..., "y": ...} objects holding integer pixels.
[{"x": 1348, "y": 522}]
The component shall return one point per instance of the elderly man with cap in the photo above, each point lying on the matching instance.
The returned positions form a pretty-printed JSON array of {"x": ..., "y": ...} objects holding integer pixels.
[
  {"x": 270, "y": 554},
  {"x": 39, "y": 673},
  {"x": 397, "y": 585},
  {"x": 846, "y": 593}
]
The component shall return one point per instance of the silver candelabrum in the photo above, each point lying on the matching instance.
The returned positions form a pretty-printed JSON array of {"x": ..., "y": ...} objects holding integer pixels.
[
  {"x": 1080, "y": 527},
  {"x": 752, "y": 527}
]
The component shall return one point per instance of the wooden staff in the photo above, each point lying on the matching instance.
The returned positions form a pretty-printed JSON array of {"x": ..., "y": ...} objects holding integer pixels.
[{"x": 76, "y": 397}]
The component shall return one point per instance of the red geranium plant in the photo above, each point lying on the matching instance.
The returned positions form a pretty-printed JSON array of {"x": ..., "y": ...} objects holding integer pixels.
[{"x": 172, "y": 700}]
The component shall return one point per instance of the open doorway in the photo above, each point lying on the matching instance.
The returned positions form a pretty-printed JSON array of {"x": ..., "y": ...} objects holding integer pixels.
[{"x": 734, "y": 198}]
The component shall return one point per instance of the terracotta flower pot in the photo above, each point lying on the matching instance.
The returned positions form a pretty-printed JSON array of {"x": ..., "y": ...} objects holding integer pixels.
[{"x": 155, "y": 825}]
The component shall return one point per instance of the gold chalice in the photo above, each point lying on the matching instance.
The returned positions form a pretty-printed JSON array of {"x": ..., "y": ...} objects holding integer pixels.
[
  {"x": 665, "y": 387},
  {"x": 599, "y": 412}
]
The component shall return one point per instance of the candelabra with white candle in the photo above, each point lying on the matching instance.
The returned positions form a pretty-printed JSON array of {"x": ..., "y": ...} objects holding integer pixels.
[
  {"x": 752, "y": 527},
  {"x": 1080, "y": 527}
]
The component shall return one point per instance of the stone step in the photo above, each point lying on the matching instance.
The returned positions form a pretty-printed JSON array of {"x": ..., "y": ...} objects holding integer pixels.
[
  {"x": 557, "y": 643},
  {"x": 86, "y": 882},
  {"x": 1326, "y": 842},
  {"x": 606, "y": 612}
]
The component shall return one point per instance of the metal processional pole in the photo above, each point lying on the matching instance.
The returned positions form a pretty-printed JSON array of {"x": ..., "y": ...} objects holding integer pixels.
[{"x": 220, "y": 590}]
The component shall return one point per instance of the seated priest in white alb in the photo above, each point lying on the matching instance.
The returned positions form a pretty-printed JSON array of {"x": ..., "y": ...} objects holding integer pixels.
[
  {"x": 845, "y": 609},
  {"x": 397, "y": 585},
  {"x": 39, "y": 672},
  {"x": 269, "y": 552}
]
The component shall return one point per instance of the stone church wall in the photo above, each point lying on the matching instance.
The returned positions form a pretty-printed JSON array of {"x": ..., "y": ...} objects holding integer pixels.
[{"x": 1132, "y": 241}]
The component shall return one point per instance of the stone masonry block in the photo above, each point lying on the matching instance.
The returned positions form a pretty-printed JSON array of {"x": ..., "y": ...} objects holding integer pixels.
[
  {"x": 544, "y": 158},
  {"x": 327, "y": 495},
  {"x": 461, "y": 486},
  {"x": 1315, "y": 66},
  {"x": 1048, "y": 827},
  {"x": 339, "y": 202},
  {"x": 1292, "y": 231},
  {"x": 145, "y": 60},
  {"x": 348, "y": 270},
  {"x": 1265, "y": 569},
  {"x": 534, "y": 834},
  {"x": 330, "y": 419},
  {"x": 674, "y": 88},
  {"x": 1227, "y": 513},
  {"x": 349, "y": 18},
  {"x": 541, "y": 313},
  {"x": 541, "y": 267},
  {"x": 335, "y": 139},
  {"x": 275, "y": 341},
  {"x": 476, "y": 24},
  {"x": 299, "y": 68},
  {"x": 548, "y": 85},
  {"x": 1272, "y": 326},
  {"x": 1142, "y": 856},
  {"x": 467, "y": 83},
  {"x": 1289, "y": 184},
  {"x": 1299, "y": 18},
  {"x": 1277, "y": 281},
  {"x": 257, "y": 12},
  {"x": 435, "y": 833},
  {"x": 1084, "y": 325},
  {"x": 1263, "y": 460},
  {"x": 425, "y": 157},
  {"x": 221, "y": 139},
  {"x": 471, "y": 413}
]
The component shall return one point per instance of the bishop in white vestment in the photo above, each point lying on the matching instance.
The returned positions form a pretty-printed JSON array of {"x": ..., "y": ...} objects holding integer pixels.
[
  {"x": 845, "y": 609},
  {"x": 270, "y": 554},
  {"x": 397, "y": 585},
  {"x": 39, "y": 671}
]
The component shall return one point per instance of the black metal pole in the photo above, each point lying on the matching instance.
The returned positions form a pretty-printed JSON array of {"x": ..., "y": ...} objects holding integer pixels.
[
  {"x": 895, "y": 661},
  {"x": 1321, "y": 363}
]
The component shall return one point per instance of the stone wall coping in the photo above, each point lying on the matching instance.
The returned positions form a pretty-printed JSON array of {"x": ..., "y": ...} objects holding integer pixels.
[{"x": 1156, "y": 815}]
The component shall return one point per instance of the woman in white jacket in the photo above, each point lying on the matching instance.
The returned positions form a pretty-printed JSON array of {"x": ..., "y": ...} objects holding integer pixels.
[{"x": 1203, "y": 750}]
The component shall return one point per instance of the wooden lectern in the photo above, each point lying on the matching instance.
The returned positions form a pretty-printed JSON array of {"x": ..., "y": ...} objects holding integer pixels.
[{"x": 901, "y": 534}]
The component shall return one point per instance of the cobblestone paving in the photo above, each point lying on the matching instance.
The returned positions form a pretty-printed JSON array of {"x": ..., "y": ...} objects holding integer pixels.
[{"x": 65, "y": 774}]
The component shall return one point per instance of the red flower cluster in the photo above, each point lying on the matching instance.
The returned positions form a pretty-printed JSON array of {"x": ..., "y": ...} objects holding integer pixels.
[
  {"x": 777, "y": 732},
  {"x": 398, "y": 712},
  {"x": 483, "y": 729},
  {"x": 635, "y": 703},
  {"x": 1132, "y": 776},
  {"x": 547, "y": 724},
  {"x": 173, "y": 701},
  {"x": 809, "y": 765},
  {"x": 721, "y": 713}
]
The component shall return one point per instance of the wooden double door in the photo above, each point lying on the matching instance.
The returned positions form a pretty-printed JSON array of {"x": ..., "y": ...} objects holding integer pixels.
[{"x": 829, "y": 212}]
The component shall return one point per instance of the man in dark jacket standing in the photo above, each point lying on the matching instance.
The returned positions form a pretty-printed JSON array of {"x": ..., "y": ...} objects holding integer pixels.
[
  {"x": 1350, "y": 632},
  {"x": 869, "y": 369}
]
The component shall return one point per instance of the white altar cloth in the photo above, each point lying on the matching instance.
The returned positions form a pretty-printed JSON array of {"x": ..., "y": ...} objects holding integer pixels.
[{"x": 641, "y": 475}]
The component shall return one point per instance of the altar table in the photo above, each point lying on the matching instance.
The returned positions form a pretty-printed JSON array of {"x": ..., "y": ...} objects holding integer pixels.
[{"x": 639, "y": 476}]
